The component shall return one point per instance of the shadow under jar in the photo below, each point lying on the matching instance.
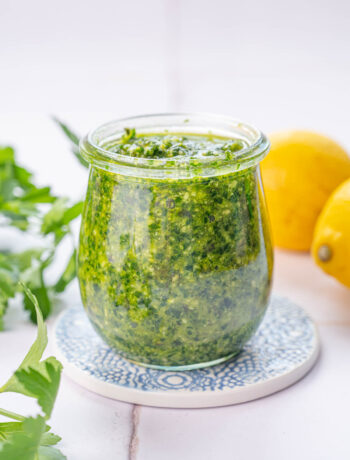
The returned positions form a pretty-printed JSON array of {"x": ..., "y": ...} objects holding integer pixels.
[{"x": 175, "y": 258}]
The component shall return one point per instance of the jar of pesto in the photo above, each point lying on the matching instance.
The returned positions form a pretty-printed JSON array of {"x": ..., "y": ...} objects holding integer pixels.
[{"x": 175, "y": 257}]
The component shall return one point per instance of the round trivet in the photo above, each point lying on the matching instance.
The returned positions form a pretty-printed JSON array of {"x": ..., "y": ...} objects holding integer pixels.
[{"x": 282, "y": 351}]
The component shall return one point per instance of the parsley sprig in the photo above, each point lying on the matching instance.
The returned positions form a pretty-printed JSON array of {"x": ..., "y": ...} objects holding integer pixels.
[
  {"x": 30, "y": 438},
  {"x": 37, "y": 211}
]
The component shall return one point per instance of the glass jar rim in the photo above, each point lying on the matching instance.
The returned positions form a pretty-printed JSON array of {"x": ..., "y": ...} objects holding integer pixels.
[{"x": 93, "y": 145}]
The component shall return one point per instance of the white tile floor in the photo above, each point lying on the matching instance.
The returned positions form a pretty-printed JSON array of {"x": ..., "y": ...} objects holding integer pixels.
[{"x": 278, "y": 65}]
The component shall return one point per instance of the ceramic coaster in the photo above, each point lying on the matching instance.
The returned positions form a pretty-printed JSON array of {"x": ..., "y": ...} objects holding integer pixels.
[{"x": 282, "y": 351}]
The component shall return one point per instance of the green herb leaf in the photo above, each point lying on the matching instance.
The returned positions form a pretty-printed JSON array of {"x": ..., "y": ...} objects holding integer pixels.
[
  {"x": 30, "y": 438},
  {"x": 50, "y": 439},
  {"x": 35, "y": 378},
  {"x": 129, "y": 133},
  {"x": 57, "y": 219},
  {"x": 27, "y": 207},
  {"x": 36, "y": 350},
  {"x": 39, "y": 195},
  {"x": 24, "y": 445},
  {"x": 41, "y": 293},
  {"x": 41, "y": 381},
  {"x": 50, "y": 453},
  {"x": 52, "y": 220},
  {"x": 74, "y": 139},
  {"x": 68, "y": 275},
  {"x": 7, "y": 155},
  {"x": 72, "y": 213},
  {"x": 8, "y": 428},
  {"x": 17, "y": 437}
]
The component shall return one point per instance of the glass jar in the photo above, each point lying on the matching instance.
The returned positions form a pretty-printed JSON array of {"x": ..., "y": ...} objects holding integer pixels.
[{"x": 175, "y": 258}]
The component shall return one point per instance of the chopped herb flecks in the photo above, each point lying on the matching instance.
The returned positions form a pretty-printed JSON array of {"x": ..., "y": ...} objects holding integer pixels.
[
  {"x": 175, "y": 272},
  {"x": 169, "y": 146}
]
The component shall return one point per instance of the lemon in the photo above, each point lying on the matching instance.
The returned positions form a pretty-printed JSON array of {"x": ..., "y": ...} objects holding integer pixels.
[
  {"x": 300, "y": 172},
  {"x": 331, "y": 242}
]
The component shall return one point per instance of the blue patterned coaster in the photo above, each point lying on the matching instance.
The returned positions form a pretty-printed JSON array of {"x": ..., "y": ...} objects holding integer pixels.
[{"x": 284, "y": 348}]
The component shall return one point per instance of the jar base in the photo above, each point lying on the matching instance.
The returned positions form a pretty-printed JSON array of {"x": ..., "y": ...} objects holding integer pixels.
[{"x": 188, "y": 367}]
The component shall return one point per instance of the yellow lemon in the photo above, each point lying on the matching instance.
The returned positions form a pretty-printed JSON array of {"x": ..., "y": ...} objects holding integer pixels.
[
  {"x": 300, "y": 172},
  {"x": 331, "y": 242}
]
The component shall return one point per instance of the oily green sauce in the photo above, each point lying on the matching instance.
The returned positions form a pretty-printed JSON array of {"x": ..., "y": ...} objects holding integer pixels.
[
  {"x": 176, "y": 145},
  {"x": 175, "y": 272}
]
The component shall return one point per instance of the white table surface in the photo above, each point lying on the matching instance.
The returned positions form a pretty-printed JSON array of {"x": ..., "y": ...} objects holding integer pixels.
[
  {"x": 278, "y": 65},
  {"x": 308, "y": 420}
]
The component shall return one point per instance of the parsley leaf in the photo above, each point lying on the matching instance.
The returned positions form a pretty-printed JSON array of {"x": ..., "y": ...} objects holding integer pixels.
[
  {"x": 41, "y": 381},
  {"x": 50, "y": 453},
  {"x": 68, "y": 275},
  {"x": 35, "y": 352},
  {"x": 27, "y": 440},
  {"x": 8, "y": 428},
  {"x": 24, "y": 444},
  {"x": 74, "y": 139},
  {"x": 30, "y": 438},
  {"x": 57, "y": 219},
  {"x": 27, "y": 207}
]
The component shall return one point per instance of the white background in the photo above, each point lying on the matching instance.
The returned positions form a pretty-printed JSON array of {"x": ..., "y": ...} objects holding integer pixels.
[{"x": 279, "y": 65}]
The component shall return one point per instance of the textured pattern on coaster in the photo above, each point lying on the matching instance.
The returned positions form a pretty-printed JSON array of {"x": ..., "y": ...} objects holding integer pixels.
[{"x": 283, "y": 349}]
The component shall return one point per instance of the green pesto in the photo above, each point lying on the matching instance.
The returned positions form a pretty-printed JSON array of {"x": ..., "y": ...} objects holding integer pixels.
[
  {"x": 176, "y": 145},
  {"x": 175, "y": 272}
]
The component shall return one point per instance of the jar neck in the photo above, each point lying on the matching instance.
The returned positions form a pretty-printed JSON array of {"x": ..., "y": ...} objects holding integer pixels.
[{"x": 94, "y": 147}]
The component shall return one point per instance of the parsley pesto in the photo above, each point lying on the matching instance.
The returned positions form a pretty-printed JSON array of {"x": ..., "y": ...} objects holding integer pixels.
[
  {"x": 175, "y": 272},
  {"x": 176, "y": 145}
]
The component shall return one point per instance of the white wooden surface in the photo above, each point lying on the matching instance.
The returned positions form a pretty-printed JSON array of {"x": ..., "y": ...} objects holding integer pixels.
[{"x": 276, "y": 64}]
